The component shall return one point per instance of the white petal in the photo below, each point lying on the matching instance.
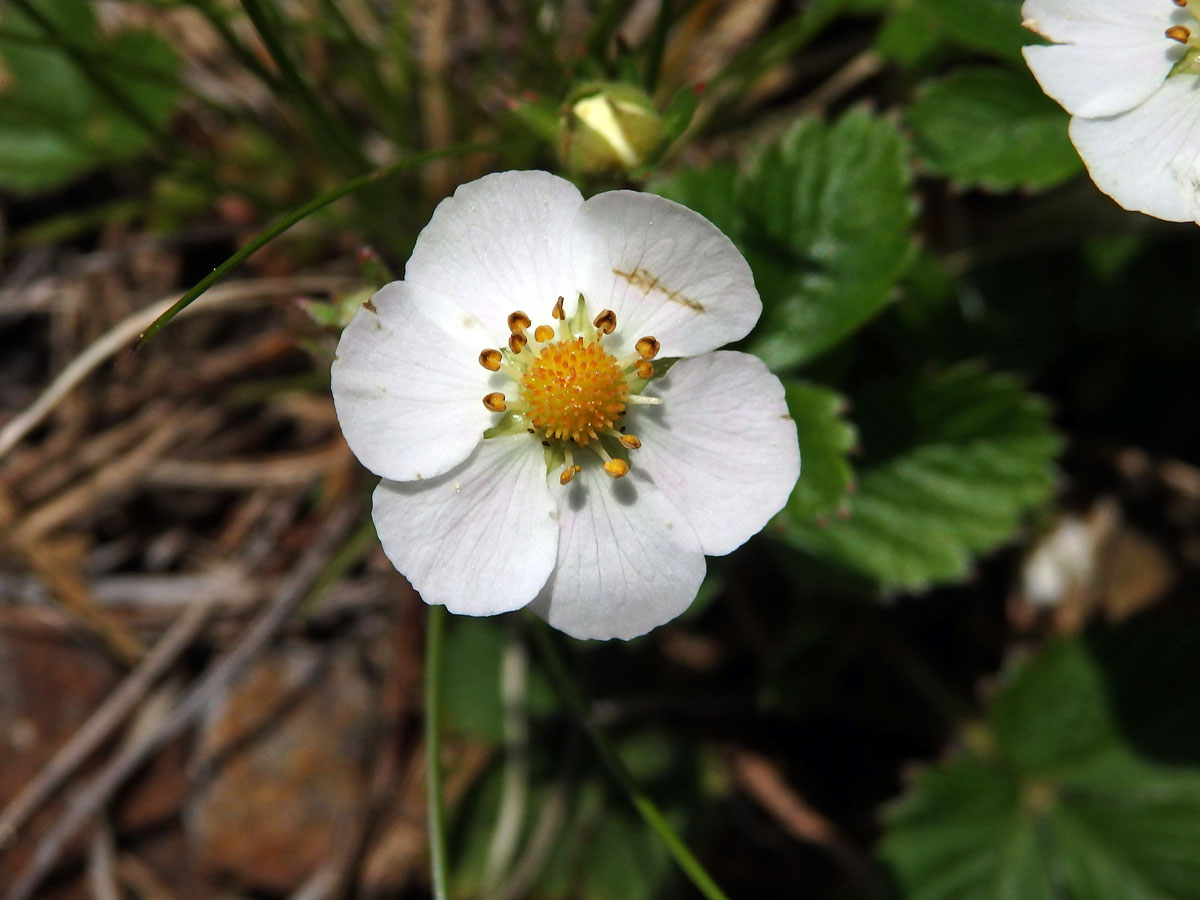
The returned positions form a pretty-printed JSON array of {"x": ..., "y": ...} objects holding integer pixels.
[
  {"x": 1112, "y": 55},
  {"x": 480, "y": 539},
  {"x": 1148, "y": 159},
  {"x": 1103, "y": 23},
  {"x": 627, "y": 559},
  {"x": 500, "y": 244},
  {"x": 1101, "y": 81},
  {"x": 722, "y": 446},
  {"x": 665, "y": 271},
  {"x": 409, "y": 392}
]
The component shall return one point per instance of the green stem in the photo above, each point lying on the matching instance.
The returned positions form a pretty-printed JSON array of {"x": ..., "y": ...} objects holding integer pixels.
[
  {"x": 362, "y": 59},
  {"x": 776, "y": 47},
  {"x": 574, "y": 697},
  {"x": 216, "y": 18},
  {"x": 283, "y": 224},
  {"x": 658, "y": 43},
  {"x": 434, "y": 640},
  {"x": 321, "y": 120}
]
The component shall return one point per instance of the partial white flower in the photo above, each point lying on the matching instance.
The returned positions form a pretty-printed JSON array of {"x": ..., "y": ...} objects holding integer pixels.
[
  {"x": 515, "y": 394},
  {"x": 1128, "y": 72}
]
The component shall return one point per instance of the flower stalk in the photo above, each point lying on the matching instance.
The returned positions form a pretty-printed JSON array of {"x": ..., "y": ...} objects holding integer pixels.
[
  {"x": 435, "y": 628},
  {"x": 573, "y": 695}
]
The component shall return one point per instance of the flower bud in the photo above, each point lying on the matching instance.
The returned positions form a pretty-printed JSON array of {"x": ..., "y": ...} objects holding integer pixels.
[{"x": 608, "y": 127}]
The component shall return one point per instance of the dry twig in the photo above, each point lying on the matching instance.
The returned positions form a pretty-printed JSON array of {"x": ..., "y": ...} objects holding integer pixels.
[{"x": 124, "y": 333}]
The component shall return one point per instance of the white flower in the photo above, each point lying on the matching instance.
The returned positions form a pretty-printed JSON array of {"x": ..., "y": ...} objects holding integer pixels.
[
  {"x": 532, "y": 454},
  {"x": 1128, "y": 72}
]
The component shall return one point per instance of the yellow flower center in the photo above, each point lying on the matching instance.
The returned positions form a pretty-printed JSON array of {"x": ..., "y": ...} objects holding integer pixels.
[
  {"x": 575, "y": 391},
  {"x": 571, "y": 392}
]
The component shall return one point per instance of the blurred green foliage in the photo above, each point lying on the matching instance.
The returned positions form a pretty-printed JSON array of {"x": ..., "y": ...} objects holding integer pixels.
[
  {"x": 944, "y": 296},
  {"x": 1086, "y": 785},
  {"x": 71, "y": 102}
]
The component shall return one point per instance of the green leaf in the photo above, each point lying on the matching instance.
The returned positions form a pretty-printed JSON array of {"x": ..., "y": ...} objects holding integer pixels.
[
  {"x": 907, "y": 36},
  {"x": 626, "y": 861},
  {"x": 828, "y": 227},
  {"x": 471, "y": 693},
  {"x": 824, "y": 218},
  {"x": 1093, "y": 788},
  {"x": 960, "y": 834},
  {"x": 959, "y": 458},
  {"x": 825, "y": 439},
  {"x": 994, "y": 128},
  {"x": 55, "y": 123},
  {"x": 984, "y": 26}
]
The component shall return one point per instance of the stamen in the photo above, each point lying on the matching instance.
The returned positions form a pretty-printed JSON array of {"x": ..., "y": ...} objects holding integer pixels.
[
  {"x": 1179, "y": 33},
  {"x": 643, "y": 400},
  {"x": 1181, "y": 3},
  {"x": 543, "y": 333},
  {"x": 558, "y": 312},
  {"x": 495, "y": 401},
  {"x": 490, "y": 360},
  {"x": 616, "y": 468},
  {"x": 606, "y": 322},
  {"x": 644, "y": 369},
  {"x": 518, "y": 322},
  {"x": 569, "y": 469},
  {"x": 629, "y": 442},
  {"x": 517, "y": 342},
  {"x": 647, "y": 347}
]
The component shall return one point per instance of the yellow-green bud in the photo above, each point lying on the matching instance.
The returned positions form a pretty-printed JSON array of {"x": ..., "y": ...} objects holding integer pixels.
[{"x": 608, "y": 127}]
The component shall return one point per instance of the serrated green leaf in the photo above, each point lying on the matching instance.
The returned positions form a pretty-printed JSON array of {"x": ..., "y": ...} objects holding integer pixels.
[
  {"x": 825, "y": 439},
  {"x": 827, "y": 220},
  {"x": 960, "y": 834},
  {"x": 990, "y": 127},
  {"x": 960, "y": 457},
  {"x": 1093, "y": 789},
  {"x": 54, "y": 122},
  {"x": 824, "y": 218}
]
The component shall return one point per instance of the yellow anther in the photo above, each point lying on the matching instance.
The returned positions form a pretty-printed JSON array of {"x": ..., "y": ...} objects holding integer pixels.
[
  {"x": 1181, "y": 3},
  {"x": 558, "y": 312},
  {"x": 490, "y": 360},
  {"x": 518, "y": 322},
  {"x": 517, "y": 342},
  {"x": 567, "y": 474},
  {"x": 1179, "y": 33},
  {"x": 495, "y": 401},
  {"x": 629, "y": 442},
  {"x": 644, "y": 369},
  {"x": 648, "y": 347},
  {"x": 606, "y": 321},
  {"x": 617, "y": 468},
  {"x": 543, "y": 333}
]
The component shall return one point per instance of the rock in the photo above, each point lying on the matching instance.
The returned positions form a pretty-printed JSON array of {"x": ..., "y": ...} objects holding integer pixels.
[{"x": 282, "y": 759}]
